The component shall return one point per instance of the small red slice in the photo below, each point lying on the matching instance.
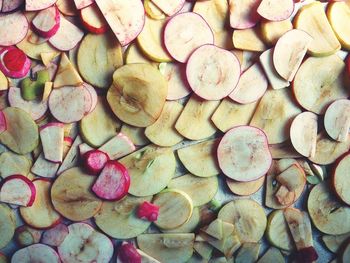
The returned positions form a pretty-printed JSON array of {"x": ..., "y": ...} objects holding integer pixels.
[
  {"x": 94, "y": 161},
  {"x": 148, "y": 211},
  {"x": 128, "y": 254},
  {"x": 14, "y": 59}
]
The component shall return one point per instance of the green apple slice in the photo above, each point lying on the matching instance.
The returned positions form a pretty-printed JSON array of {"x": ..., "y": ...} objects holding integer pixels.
[
  {"x": 248, "y": 253},
  {"x": 135, "y": 134},
  {"x": 11, "y": 163},
  {"x": 272, "y": 255},
  {"x": 203, "y": 249},
  {"x": 189, "y": 226},
  {"x": 335, "y": 242},
  {"x": 66, "y": 74},
  {"x": 7, "y": 225}
]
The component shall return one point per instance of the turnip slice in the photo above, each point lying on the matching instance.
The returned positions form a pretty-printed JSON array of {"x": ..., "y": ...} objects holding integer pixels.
[
  {"x": 252, "y": 85},
  {"x": 52, "y": 135},
  {"x": 80, "y": 4},
  {"x": 276, "y": 10},
  {"x": 341, "y": 178},
  {"x": 99, "y": 247},
  {"x": 126, "y": 21},
  {"x": 44, "y": 168},
  {"x": 3, "y": 125},
  {"x": 337, "y": 120},
  {"x": 17, "y": 190},
  {"x": 303, "y": 133},
  {"x": 291, "y": 47},
  {"x": 243, "y": 154},
  {"x": 36, "y": 253},
  {"x": 118, "y": 146},
  {"x": 10, "y": 5},
  {"x": 55, "y": 236},
  {"x": 169, "y": 7},
  {"x": 213, "y": 72},
  {"x": 93, "y": 19},
  {"x": 243, "y": 14},
  {"x": 195, "y": 32},
  {"x": 113, "y": 183},
  {"x": 67, "y": 36},
  {"x": 47, "y": 22}
]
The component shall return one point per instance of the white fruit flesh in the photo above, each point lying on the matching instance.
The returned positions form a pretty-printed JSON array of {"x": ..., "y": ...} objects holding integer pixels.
[
  {"x": 338, "y": 16},
  {"x": 341, "y": 178},
  {"x": 7, "y": 225},
  {"x": 189, "y": 226},
  {"x": 19, "y": 28},
  {"x": 55, "y": 236},
  {"x": 71, "y": 158},
  {"x": 243, "y": 14},
  {"x": 17, "y": 190},
  {"x": 135, "y": 134},
  {"x": 36, "y": 253},
  {"x": 337, "y": 120},
  {"x": 245, "y": 188},
  {"x": 93, "y": 18},
  {"x": 52, "y": 136},
  {"x": 34, "y": 5},
  {"x": 44, "y": 168},
  {"x": 248, "y": 39},
  {"x": 276, "y": 10},
  {"x": 47, "y": 21},
  {"x": 133, "y": 54},
  {"x": 118, "y": 146},
  {"x": 82, "y": 3},
  {"x": 169, "y": 7},
  {"x": 335, "y": 242},
  {"x": 11, "y": 163}
]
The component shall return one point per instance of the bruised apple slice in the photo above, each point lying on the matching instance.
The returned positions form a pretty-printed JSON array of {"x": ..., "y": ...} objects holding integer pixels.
[
  {"x": 303, "y": 133},
  {"x": 291, "y": 47},
  {"x": 243, "y": 154},
  {"x": 55, "y": 236},
  {"x": 198, "y": 112},
  {"x": 248, "y": 39},
  {"x": 169, "y": 7},
  {"x": 195, "y": 32},
  {"x": 118, "y": 219},
  {"x": 338, "y": 15},
  {"x": 66, "y": 74},
  {"x": 98, "y": 68},
  {"x": 41, "y": 214},
  {"x": 126, "y": 21},
  {"x": 84, "y": 244},
  {"x": 276, "y": 10},
  {"x": 137, "y": 99},
  {"x": 247, "y": 216},
  {"x": 326, "y": 212},
  {"x": 189, "y": 226},
  {"x": 93, "y": 20},
  {"x": 325, "y": 85},
  {"x": 245, "y": 188},
  {"x": 312, "y": 19},
  {"x": 52, "y": 136},
  {"x": 198, "y": 159},
  {"x": 172, "y": 248},
  {"x": 341, "y": 178},
  {"x": 243, "y": 14},
  {"x": 36, "y": 253},
  {"x": 71, "y": 195},
  {"x": 47, "y": 22},
  {"x": 7, "y": 225},
  {"x": 212, "y": 72},
  {"x": 118, "y": 146},
  {"x": 335, "y": 242},
  {"x": 19, "y": 28},
  {"x": 337, "y": 120},
  {"x": 271, "y": 31},
  {"x": 11, "y": 163}
]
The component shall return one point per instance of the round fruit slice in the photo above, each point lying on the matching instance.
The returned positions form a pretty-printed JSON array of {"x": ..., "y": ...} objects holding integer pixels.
[
  {"x": 335, "y": 242},
  {"x": 36, "y": 253},
  {"x": 55, "y": 236},
  {"x": 175, "y": 208},
  {"x": 118, "y": 219},
  {"x": 212, "y": 72},
  {"x": 18, "y": 24},
  {"x": 71, "y": 195},
  {"x": 247, "y": 216},
  {"x": 341, "y": 178},
  {"x": 195, "y": 32},
  {"x": 338, "y": 15},
  {"x": 243, "y": 14},
  {"x": 93, "y": 19},
  {"x": 47, "y": 22},
  {"x": 135, "y": 98},
  {"x": 133, "y": 54},
  {"x": 328, "y": 215},
  {"x": 189, "y": 226},
  {"x": 153, "y": 11},
  {"x": 346, "y": 253},
  {"x": 276, "y": 10},
  {"x": 169, "y": 7},
  {"x": 7, "y": 225},
  {"x": 243, "y": 154},
  {"x": 245, "y": 188},
  {"x": 337, "y": 120},
  {"x": 11, "y": 163}
]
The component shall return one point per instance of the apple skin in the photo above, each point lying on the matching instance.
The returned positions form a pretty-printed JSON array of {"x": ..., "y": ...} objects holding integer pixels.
[
  {"x": 91, "y": 28},
  {"x": 53, "y": 30}
]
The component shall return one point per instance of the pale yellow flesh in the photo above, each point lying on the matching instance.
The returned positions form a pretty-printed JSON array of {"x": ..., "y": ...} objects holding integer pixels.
[
  {"x": 66, "y": 74},
  {"x": 133, "y": 54},
  {"x": 283, "y": 150},
  {"x": 248, "y": 39},
  {"x": 339, "y": 16},
  {"x": 341, "y": 179},
  {"x": 245, "y": 188},
  {"x": 11, "y": 163},
  {"x": 135, "y": 134},
  {"x": 189, "y": 226},
  {"x": 248, "y": 253},
  {"x": 272, "y": 255},
  {"x": 271, "y": 31},
  {"x": 335, "y": 242},
  {"x": 3, "y": 82},
  {"x": 153, "y": 11},
  {"x": 337, "y": 120}
]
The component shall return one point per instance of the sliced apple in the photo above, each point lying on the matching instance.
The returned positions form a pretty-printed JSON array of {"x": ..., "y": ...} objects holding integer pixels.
[
  {"x": 52, "y": 136},
  {"x": 12, "y": 163},
  {"x": 66, "y": 7},
  {"x": 189, "y": 226},
  {"x": 19, "y": 28},
  {"x": 243, "y": 14},
  {"x": 118, "y": 146},
  {"x": 335, "y": 242},
  {"x": 36, "y": 252},
  {"x": 275, "y": 10},
  {"x": 338, "y": 15},
  {"x": 245, "y": 188},
  {"x": 4, "y": 84},
  {"x": 346, "y": 253},
  {"x": 47, "y": 22},
  {"x": 341, "y": 178},
  {"x": 283, "y": 150},
  {"x": 272, "y": 255},
  {"x": 248, "y": 39},
  {"x": 26, "y": 236},
  {"x": 153, "y": 11},
  {"x": 71, "y": 159},
  {"x": 66, "y": 74},
  {"x": 249, "y": 252},
  {"x": 7, "y": 226},
  {"x": 133, "y": 54},
  {"x": 204, "y": 249},
  {"x": 271, "y": 31},
  {"x": 169, "y": 8},
  {"x": 337, "y": 120},
  {"x": 135, "y": 134}
]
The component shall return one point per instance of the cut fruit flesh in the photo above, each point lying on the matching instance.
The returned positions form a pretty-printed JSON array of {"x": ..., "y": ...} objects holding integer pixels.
[
  {"x": 341, "y": 178},
  {"x": 36, "y": 252},
  {"x": 335, "y": 242},
  {"x": 7, "y": 226},
  {"x": 337, "y": 120},
  {"x": 188, "y": 227},
  {"x": 153, "y": 11},
  {"x": 66, "y": 74},
  {"x": 35, "y": 5},
  {"x": 276, "y": 10},
  {"x": 135, "y": 134},
  {"x": 118, "y": 146},
  {"x": 243, "y": 14},
  {"x": 80, "y": 4},
  {"x": 272, "y": 31},
  {"x": 338, "y": 16},
  {"x": 52, "y": 136},
  {"x": 248, "y": 39},
  {"x": 71, "y": 158},
  {"x": 272, "y": 255},
  {"x": 47, "y": 22},
  {"x": 11, "y": 163},
  {"x": 245, "y": 188},
  {"x": 133, "y": 54},
  {"x": 346, "y": 253},
  {"x": 26, "y": 236},
  {"x": 169, "y": 8},
  {"x": 66, "y": 7},
  {"x": 249, "y": 252},
  {"x": 44, "y": 168},
  {"x": 19, "y": 28},
  {"x": 93, "y": 19},
  {"x": 55, "y": 236}
]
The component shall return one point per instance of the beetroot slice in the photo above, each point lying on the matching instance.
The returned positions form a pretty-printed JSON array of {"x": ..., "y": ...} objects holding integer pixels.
[
  {"x": 14, "y": 59},
  {"x": 113, "y": 183},
  {"x": 23, "y": 68},
  {"x": 128, "y": 254},
  {"x": 148, "y": 211},
  {"x": 94, "y": 161}
]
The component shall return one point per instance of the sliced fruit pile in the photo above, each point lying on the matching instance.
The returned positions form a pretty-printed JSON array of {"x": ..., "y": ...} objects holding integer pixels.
[{"x": 174, "y": 131}]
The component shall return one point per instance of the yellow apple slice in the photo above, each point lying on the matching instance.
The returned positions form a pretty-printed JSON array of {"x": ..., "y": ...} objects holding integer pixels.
[
  {"x": 48, "y": 57},
  {"x": 153, "y": 11},
  {"x": 133, "y": 54},
  {"x": 312, "y": 19},
  {"x": 339, "y": 16},
  {"x": 135, "y": 134},
  {"x": 271, "y": 31},
  {"x": 248, "y": 39},
  {"x": 335, "y": 242},
  {"x": 283, "y": 150},
  {"x": 245, "y": 188},
  {"x": 341, "y": 178},
  {"x": 249, "y": 252},
  {"x": 4, "y": 84},
  {"x": 337, "y": 120},
  {"x": 189, "y": 226},
  {"x": 66, "y": 74}
]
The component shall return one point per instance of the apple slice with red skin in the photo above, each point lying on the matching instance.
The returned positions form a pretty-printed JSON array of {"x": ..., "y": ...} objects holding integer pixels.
[
  {"x": 17, "y": 190},
  {"x": 113, "y": 182},
  {"x": 80, "y": 4},
  {"x": 341, "y": 178},
  {"x": 10, "y": 5},
  {"x": 13, "y": 62},
  {"x": 47, "y": 22},
  {"x": 55, "y": 236},
  {"x": 118, "y": 146},
  {"x": 3, "y": 125},
  {"x": 36, "y": 253},
  {"x": 276, "y": 10},
  {"x": 337, "y": 120},
  {"x": 93, "y": 19},
  {"x": 243, "y": 153},
  {"x": 52, "y": 136},
  {"x": 169, "y": 7},
  {"x": 35, "y": 5},
  {"x": 243, "y": 14},
  {"x": 94, "y": 161}
]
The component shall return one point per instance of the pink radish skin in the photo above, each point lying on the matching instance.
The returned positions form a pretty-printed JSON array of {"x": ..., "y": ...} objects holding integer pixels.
[
  {"x": 47, "y": 22},
  {"x": 10, "y": 5},
  {"x": 113, "y": 183},
  {"x": 55, "y": 236},
  {"x": 93, "y": 20},
  {"x": 128, "y": 254},
  {"x": 80, "y": 4},
  {"x": 13, "y": 74},
  {"x": 94, "y": 161},
  {"x": 148, "y": 211},
  {"x": 17, "y": 189},
  {"x": 35, "y": 5},
  {"x": 35, "y": 253},
  {"x": 3, "y": 125}
]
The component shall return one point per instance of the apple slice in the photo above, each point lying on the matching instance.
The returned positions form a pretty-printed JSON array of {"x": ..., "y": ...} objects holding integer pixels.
[
  {"x": 133, "y": 54},
  {"x": 118, "y": 146},
  {"x": 67, "y": 7},
  {"x": 55, "y": 236},
  {"x": 98, "y": 247},
  {"x": 80, "y": 4},
  {"x": 126, "y": 21},
  {"x": 190, "y": 226},
  {"x": 204, "y": 249},
  {"x": 337, "y": 120},
  {"x": 35, "y": 5},
  {"x": 169, "y": 8},
  {"x": 47, "y": 22},
  {"x": 19, "y": 28},
  {"x": 276, "y": 10},
  {"x": 71, "y": 158},
  {"x": 334, "y": 243},
  {"x": 153, "y": 11},
  {"x": 346, "y": 253},
  {"x": 341, "y": 178},
  {"x": 272, "y": 255},
  {"x": 135, "y": 134},
  {"x": 84, "y": 148},
  {"x": 291, "y": 47},
  {"x": 11, "y": 163},
  {"x": 248, "y": 39},
  {"x": 195, "y": 33},
  {"x": 66, "y": 74},
  {"x": 8, "y": 225},
  {"x": 52, "y": 136},
  {"x": 26, "y": 236},
  {"x": 249, "y": 252},
  {"x": 17, "y": 190},
  {"x": 10, "y": 5},
  {"x": 44, "y": 168},
  {"x": 36, "y": 252},
  {"x": 241, "y": 150},
  {"x": 243, "y": 14},
  {"x": 271, "y": 31},
  {"x": 245, "y": 188},
  {"x": 93, "y": 19},
  {"x": 4, "y": 84},
  {"x": 339, "y": 14}
]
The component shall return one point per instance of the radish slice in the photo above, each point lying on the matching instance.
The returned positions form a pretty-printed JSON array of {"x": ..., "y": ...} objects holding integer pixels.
[
  {"x": 67, "y": 36},
  {"x": 55, "y": 236},
  {"x": 337, "y": 120},
  {"x": 18, "y": 24},
  {"x": 194, "y": 32},
  {"x": 341, "y": 178},
  {"x": 243, "y": 154},
  {"x": 243, "y": 14},
  {"x": 126, "y": 21},
  {"x": 14, "y": 63},
  {"x": 10, "y": 5},
  {"x": 47, "y": 22},
  {"x": 94, "y": 161},
  {"x": 148, "y": 211},
  {"x": 213, "y": 72},
  {"x": 93, "y": 97},
  {"x": 35, "y": 5},
  {"x": 80, "y": 4},
  {"x": 113, "y": 183},
  {"x": 276, "y": 10},
  {"x": 93, "y": 20},
  {"x": 3, "y": 125},
  {"x": 17, "y": 190},
  {"x": 52, "y": 136},
  {"x": 251, "y": 86},
  {"x": 169, "y": 7},
  {"x": 36, "y": 253},
  {"x": 67, "y": 104}
]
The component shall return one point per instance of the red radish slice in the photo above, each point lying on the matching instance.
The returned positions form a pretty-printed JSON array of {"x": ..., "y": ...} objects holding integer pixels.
[
  {"x": 36, "y": 253},
  {"x": 98, "y": 247},
  {"x": 341, "y": 178},
  {"x": 55, "y": 236},
  {"x": 148, "y": 211},
  {"x": 126, "y": 21},
  {"x": 52, "y": 136},
  {"x": 17, "y": 190},
  {"x": 90, "y": 90},
  {"x": 337, "y": 120},
  {"x": 113, "y": 183},
  {"x": 10, "y": 5},
  {"x": 119, "y": 146},
  {"x": 47, "y": 22},
  {"x": 213, "y": 72},
  {"x": 93, "y": 19},
  {"x": 10, "y": 56},
  {"x": 243, "y": 153},
  {"x": 18, "y": 24},
  {"x": 128, "y": 253},
  {"x": 94, "y": 161},
  {"x": 36, "y": 109},
  {"x": 83, "y": 3},
  {"x": 35, "y": 5},
  {"x": 194, "y": 32},
  {"x": 67, "y": 104},
  {"x": 276, "y": 10},
  {"x": 303, "y": 134},
  {"x": 3, "y": 125},
  {"x": 251, "y": 86},
  {"x": 67, "y": 36},
  {"x": 14, "y": 59},
  {"x": 243, "y": 14},
  {"x": 291, "y": 48},
  {"x": 169, "y": 7}
]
